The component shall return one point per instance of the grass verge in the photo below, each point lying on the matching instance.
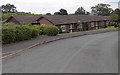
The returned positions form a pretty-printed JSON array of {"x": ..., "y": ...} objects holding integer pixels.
[{"x": 88, "y": 31}]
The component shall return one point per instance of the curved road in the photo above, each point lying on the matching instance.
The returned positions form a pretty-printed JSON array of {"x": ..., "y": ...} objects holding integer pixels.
[{"x": 96, "y": 53}]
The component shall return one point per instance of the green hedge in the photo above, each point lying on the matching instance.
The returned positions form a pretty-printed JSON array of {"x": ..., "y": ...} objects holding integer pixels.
[
  {"x": 60, "y": 30},
  {"x": 13, "y": 33},
  {"x": 51, "y": 30},
  {"x": 23, "y": 33},
  {"x": 8, "y": 35}
]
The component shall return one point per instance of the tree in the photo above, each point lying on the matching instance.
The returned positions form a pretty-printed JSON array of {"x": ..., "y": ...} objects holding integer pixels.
[
  {"x": 81, "y": 11},
  {"x": 7, "y": 15},
  {"x": 57, "y": 13},
  {"x": 8, "y": 8},
  {"x": 116, "y": 11},
  {"x": 101, "y": 9},
  {"x": 48, "y": 13},
  {"x": 115, "y": 15},
  {"x": 61, "y": 12}
]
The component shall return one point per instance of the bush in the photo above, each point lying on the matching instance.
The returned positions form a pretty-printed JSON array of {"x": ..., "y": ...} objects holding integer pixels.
[
  {"x": 60, "y": 30},
  {"x": 8, "y": 25},
  {"x": 35, "y": 32},
  {"x": 23, "y": 33},
  {"x": 39, "y": 28},
  {"x": 51, "y": 30},
  {"x": 13, "y": 33},
  {"x": 8, "y": 35}
]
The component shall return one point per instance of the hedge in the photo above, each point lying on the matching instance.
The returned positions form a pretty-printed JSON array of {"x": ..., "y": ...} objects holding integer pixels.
[
  {"x": 60, "y": 30},
  {"x": 51, "y": 30},
  {"x": 23, "y": 33},
  {"x": 13, "y": 33},
  {"x": 8, "y": 35}
]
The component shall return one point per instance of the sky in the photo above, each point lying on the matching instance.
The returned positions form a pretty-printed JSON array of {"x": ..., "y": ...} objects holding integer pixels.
[{"x": 51, "y": 6}]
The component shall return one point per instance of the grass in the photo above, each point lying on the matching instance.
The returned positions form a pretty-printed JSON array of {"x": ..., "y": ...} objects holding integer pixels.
[{"x": 110, "y": 27}]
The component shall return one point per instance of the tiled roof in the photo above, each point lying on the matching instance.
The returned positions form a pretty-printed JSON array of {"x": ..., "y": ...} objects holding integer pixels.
[
  {"x": 59, "y": 19},
  {"x": 24, "y": 19},
  {"x": 66, "y": 19}
]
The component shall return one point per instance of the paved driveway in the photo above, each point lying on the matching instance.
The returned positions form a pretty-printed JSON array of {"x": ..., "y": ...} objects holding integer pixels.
[{"x": 96, "y": 53}]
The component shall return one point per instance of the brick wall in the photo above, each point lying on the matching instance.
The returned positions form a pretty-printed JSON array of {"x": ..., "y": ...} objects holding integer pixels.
[
  {"x": 13, "y": 20},
  {"x": 44, "y": 21}
]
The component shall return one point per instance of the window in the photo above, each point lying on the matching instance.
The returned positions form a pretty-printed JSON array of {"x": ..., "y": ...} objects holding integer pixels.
[
  {"x": 96, "y": 23},
  {"x": 92, "y": 24},
  {"x": 63, "y": 28},
  {"x": 79, "y": 26}
]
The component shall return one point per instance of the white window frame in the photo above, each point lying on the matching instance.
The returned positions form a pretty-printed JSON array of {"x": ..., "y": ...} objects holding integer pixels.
[
  {"x": 97, "y": 24},
  {"x": 63, "y": 27},
  {"x": 92, "y": 24}
]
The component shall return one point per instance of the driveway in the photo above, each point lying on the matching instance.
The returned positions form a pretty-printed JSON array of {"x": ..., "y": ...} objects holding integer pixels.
[{"x": 96, "y": 53}]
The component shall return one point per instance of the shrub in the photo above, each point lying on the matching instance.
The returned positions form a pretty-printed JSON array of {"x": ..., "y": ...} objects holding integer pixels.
[
  {"x": 13, "y": 33},
  {"x": 8, "y": 25},
  {"x": 51, "y": 30},
  {"x": 39, "y": 28},
  {"x": 28, "y": 24},
  {"x": 35, "y": 32},
  {"x": 8, "y": 35},
  {"x": 60, "y": 30},
  {"x": 22, "y": 33}
]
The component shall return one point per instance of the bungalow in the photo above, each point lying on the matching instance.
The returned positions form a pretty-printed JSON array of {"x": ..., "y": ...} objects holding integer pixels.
[{"x": 68, "y": 23}]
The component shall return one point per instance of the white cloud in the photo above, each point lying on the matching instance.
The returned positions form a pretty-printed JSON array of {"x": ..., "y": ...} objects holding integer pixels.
[{"x": 45, "y": 6}]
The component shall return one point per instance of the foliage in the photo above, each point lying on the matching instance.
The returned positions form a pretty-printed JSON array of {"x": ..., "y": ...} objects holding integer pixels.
[
  {"x": 81, "y": 11},
  {"x": 48, "y": 14},
  {"x": 57, "y": 13},
  {"x": 14, "y": 33},
  {"x": 60, "y": 30},
  {"x": 8, "y": 8},
  {"x": 35, "y": 32},
  {"x": 7, "y": 15},
  {"x": 101, "y": 9},
  {"x": 23, "y": 33},
  {"x": 116, "y": 11},
  {"x": 51, "y": 30},
  {"x": 8, "y": 35},
  {"x": 8, "y": 24},
  {"x": 114, "y": 17},
  {"x": 61, "y": 12},
  {"x": 38, "y": 29}
]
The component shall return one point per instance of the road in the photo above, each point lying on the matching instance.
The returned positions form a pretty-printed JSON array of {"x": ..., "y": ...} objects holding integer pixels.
[{"x": 96, "y": 53}]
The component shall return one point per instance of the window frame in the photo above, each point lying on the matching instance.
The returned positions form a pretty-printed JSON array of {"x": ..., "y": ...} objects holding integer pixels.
[{"x": 63, "y": 27}]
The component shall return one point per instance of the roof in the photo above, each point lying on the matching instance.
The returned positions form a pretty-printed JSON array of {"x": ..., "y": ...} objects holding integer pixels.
[
  {"x": 58, "y": 19},
  {"x": 24, "y": 19},
  {"x": 66, "y": 19}
]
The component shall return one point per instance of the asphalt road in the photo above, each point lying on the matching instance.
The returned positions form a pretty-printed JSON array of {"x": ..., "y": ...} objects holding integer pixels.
[{"x": 96, "y": 53}]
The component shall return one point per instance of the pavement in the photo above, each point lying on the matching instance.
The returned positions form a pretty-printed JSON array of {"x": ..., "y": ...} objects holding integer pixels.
[
  {"x": 96, "y": 53},
  {"x": 27, "y": 43}
]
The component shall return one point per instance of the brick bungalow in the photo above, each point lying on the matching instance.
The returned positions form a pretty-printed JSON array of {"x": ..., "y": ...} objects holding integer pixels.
[{"x": 68, "y": 23}]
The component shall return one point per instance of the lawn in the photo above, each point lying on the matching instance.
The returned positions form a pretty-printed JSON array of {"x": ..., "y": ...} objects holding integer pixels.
[{"x": 110, "y": 27}]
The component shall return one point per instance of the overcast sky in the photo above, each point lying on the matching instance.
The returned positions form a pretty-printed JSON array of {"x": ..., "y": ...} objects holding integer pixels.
[{"x": 51, "y": 6}]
